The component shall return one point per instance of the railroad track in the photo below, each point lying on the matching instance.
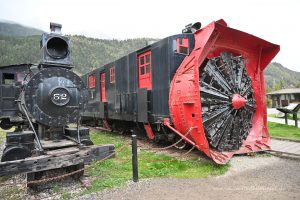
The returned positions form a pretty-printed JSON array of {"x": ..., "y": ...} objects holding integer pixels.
[{"x": 286, "y": 148}]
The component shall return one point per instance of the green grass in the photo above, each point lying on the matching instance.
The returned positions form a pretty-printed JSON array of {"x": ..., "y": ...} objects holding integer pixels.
[
  {"x": 283, "y": 131},
  {"x": 2, "y": 138},
  {"x": 2, "y": 135},
  {"x": 117, "y": 171},
  {"x": 290, "y": 116}
]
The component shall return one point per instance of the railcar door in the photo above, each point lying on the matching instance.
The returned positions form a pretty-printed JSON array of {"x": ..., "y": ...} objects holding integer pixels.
[
  {"x": 145, "y": 70},
  {"x": 102, "y": 87}
]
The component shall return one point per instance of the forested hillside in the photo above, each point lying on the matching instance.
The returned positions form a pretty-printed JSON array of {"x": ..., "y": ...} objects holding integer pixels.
[
  {"x": 89, "y": 53},
  {"x": 278, "y": 77}
]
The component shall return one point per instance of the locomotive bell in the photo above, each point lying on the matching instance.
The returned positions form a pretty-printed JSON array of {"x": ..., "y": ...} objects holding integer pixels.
[{"x": 55, "y": 48}]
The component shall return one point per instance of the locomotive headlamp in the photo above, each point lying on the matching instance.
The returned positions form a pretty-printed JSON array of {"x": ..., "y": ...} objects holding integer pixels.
[{"x": 55, "y": 48}]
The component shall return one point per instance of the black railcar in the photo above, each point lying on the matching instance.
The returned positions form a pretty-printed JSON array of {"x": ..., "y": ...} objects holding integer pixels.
[
  {"x": 10, "y": 88},
  {"x": 204, "y": 87},
  {"x": 124, "y": 90},
  {"x": 40, "y": 101}
]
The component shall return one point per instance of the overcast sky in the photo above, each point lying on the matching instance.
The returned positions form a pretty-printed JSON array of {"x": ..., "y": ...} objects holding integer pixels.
[{"x": 274, "y": 20}]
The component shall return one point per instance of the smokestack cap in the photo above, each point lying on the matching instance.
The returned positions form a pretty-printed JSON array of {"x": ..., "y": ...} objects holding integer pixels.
[{"x": 55, "y": 28}]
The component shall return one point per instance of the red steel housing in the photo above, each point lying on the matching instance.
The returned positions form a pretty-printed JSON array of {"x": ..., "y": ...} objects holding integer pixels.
[{"x": 184, "y": 97}]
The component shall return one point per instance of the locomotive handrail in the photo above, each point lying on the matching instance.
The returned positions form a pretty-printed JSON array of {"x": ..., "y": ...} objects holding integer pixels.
[
  {"x": 78, "y": 133},
  {"x": 32, "y": 127}
]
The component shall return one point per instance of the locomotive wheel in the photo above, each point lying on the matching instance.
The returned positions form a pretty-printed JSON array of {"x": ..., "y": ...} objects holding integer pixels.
[
  {"x": 15, "y": 153},
  {"x": 227, "y": 102},
  {"x": 5, "y": 124}
]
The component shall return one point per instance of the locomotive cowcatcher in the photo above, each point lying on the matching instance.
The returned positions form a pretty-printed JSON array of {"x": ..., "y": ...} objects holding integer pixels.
[
  {"x": 40, "y": 101},
  {"x": 204, "y": 87}
]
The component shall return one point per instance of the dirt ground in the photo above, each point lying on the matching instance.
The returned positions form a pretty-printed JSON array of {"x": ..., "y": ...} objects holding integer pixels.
[{"x": 248, "y": 178}]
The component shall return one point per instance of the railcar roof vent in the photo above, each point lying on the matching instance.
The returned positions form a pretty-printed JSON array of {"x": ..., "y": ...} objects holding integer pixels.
[{"x": 55, "y": 28}]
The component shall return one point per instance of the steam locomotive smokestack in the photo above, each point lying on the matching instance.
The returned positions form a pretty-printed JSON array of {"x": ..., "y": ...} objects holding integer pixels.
[{"x": 55, "y": 28}]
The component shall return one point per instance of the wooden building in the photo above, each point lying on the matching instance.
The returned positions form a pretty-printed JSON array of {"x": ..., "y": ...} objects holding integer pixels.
[{"x": 284, "y": 97}]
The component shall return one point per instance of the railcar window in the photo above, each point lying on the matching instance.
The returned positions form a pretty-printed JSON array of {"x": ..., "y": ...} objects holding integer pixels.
[
  {"x": 102, "y": 87},
  {"x": 142, "y": 70},
  {"x": 142, "y": 61},
  {"x": 184, "y": 50},
  {"x": 145, "y": 67},
  {"x": 112, "y": 74},
  {"x": 8, "y": 79},
  {"x": 21, "y": 76},
  {"x": 148, "y": 69},
  {"x": 145, "y": 70},
  {"x": 182, "y": 46},
  {"x": 148, "y": 58},
  {"x": 92, "y": 81}
]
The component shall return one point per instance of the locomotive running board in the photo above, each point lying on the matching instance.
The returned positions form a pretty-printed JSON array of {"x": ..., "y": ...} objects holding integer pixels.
[{"x": 57, "y": 159}]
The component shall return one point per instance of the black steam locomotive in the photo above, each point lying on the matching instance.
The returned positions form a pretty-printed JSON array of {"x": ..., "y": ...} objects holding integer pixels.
[{"x": 40, "y": 101}]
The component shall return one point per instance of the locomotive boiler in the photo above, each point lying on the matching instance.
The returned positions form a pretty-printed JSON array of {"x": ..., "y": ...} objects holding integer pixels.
[
  {"x": 204, "y": 87},
  {"x": 40, "y": 101}
]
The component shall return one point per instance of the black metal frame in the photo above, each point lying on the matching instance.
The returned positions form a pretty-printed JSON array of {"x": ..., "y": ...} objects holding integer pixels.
[
  {"x": 57, "y": 159},
  {"x": 294, "y": 112}
]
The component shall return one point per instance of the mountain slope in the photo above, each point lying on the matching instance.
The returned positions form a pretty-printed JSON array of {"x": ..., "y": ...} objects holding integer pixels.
[
  {"x": 87, "y": 53},
  {"x": 11, "y": 29},
  {"x": 278, "y": 76},
  {"x": 90, "y": 53}
]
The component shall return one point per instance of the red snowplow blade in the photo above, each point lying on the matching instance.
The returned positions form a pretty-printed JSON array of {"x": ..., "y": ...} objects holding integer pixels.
[{"x": 186, "y": 100}]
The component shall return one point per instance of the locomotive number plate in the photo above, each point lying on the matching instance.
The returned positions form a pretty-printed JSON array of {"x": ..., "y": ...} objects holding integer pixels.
[{"x": 60, "y": 96}]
